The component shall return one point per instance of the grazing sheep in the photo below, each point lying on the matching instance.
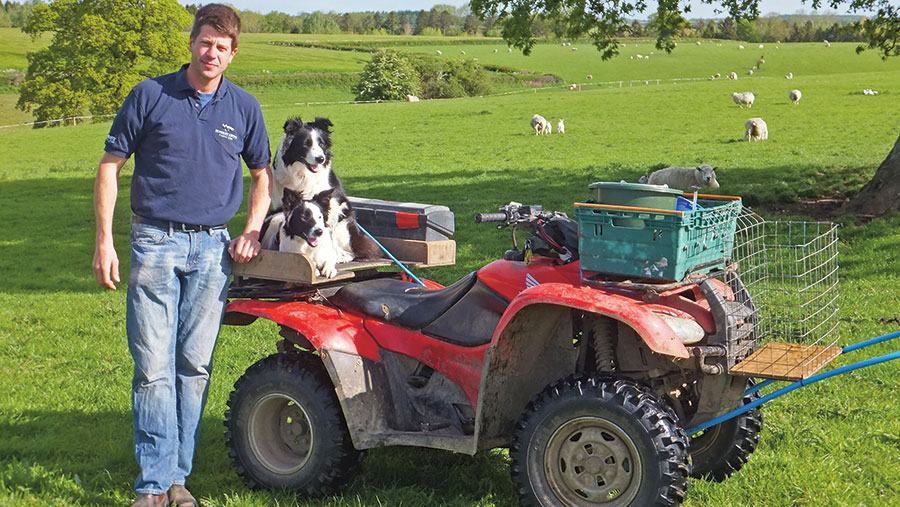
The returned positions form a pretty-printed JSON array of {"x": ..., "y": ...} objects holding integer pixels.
[
  {"x": 761, "y": 46},
  {"x": 740, "y": 46},
  {"x": 718, "y": 75},
  {"x": 574, "y": 49},
  {"x": 732, "y": 76},
  {"x": 760, "y": 62},
  {"x": 590, "y": 76},
  {"x": 869, "y": 91},
  {"x": 698, "y": 43},
  {"x": 684, "y": 178},
  {"x": 561, "y": 126},
  {"x": 742, "y": 99},
  {"x": 639, "y": 57},
  {"x": 540, "y": 125},
  {"x": 795, "y": 96},
  {"x": 412, "y": 98},
  {"x": 750, "y": 72},
  {"x": 790, "y": 75},
  {"x": 462, "y": 52},
  {"x": 573, "y": 87},
  {"x": 439, "y": 52},
  {"x": 495, "y": 51},
  {"x": 509, "y": 50},
  {"x": 756, "y": 129}
]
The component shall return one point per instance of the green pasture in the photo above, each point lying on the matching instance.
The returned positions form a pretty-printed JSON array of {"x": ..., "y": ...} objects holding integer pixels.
[{"x": 65, "y": 371}]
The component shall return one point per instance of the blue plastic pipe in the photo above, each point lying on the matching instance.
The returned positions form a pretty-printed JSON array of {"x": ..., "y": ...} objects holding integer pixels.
[
  {"x": 391, "y": 256},
  {"x": 805, "y": 382},
  {"x": 848, "y": 348}
]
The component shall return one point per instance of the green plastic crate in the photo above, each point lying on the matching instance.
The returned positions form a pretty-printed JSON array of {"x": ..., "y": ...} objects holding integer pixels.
[{"x": 662, "y": 245}]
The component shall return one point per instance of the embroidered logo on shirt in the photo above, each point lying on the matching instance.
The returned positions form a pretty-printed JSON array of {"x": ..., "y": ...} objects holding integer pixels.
[
  {"x": 111, "y": 139},
  {"x": 226, "y": 132}
]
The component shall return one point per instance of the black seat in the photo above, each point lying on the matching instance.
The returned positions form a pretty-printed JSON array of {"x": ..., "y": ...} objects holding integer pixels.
[{"x": 403, "y": 303}]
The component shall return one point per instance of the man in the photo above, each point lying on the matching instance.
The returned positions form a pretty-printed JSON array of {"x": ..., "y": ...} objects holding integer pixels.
[{"x": 187, "y": 131}]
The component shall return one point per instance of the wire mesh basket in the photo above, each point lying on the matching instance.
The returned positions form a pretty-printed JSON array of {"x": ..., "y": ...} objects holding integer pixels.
[{"x": 789, "y": 270}]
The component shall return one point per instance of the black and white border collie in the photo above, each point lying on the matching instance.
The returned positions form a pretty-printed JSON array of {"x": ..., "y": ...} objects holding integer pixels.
[
  {"x": 300, "y": 228},
  {"x": 303, "y": 165}
]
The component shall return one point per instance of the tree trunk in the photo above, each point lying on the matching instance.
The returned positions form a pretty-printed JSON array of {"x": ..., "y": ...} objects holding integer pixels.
[{"x": 881, "y": 195}]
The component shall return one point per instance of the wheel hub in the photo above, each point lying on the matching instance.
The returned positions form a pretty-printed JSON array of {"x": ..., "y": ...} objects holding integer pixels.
[
  {"x": 280, "y": 433},
  {"x": 590, "y": 461}
]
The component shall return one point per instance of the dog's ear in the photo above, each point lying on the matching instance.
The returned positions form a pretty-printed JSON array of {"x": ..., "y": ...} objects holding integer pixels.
[
  {"x": 290, "y": 199},
  {"x": 323, "y": 124},
  {"x": 323, "y": 197},
  {"x": 293, "y": 125}
]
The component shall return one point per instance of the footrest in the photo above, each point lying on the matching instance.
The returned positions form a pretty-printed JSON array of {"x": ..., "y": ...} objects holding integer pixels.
[{"x": 785, "y": 361}]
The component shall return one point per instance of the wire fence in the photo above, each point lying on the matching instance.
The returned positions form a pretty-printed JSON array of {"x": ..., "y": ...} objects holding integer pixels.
[{"x": 572, "y": 86}]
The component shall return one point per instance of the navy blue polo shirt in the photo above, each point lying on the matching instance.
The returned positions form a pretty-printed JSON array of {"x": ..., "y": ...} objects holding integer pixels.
[{"x": 187, "y": 157}]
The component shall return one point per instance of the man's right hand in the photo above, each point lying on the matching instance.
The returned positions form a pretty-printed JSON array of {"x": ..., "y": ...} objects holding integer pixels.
[{"x": 106, "y": 266}]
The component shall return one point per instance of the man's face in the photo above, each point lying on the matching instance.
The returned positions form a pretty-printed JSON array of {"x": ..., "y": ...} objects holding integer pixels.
[{"x": 211, "y": 52}]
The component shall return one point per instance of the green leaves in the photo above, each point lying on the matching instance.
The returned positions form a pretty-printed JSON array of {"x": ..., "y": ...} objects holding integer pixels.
[
  {"x": 389, "y": 76},
  {"x": 100, "y": 50}
]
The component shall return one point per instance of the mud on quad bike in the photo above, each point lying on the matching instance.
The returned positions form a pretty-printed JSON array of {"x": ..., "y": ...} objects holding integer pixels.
[{"x": 589, "y": 380}]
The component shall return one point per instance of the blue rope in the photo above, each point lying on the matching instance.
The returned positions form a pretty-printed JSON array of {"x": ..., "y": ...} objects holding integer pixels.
[{"x": 391, "y": 256}]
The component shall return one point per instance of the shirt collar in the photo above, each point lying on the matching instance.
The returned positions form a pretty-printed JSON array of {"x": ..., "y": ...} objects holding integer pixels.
[{"x": 182, "y": 83}]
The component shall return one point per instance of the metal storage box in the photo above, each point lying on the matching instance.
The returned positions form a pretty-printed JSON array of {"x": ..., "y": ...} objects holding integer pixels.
[{"x": 406, "y": 220}]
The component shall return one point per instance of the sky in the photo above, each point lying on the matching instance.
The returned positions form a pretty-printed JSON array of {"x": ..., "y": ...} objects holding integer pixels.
[{"x": 698, "y": 10}]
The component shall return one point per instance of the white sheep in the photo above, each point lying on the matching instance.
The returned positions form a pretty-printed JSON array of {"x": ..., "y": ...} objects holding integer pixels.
[
  {"x": 561, "y": 126},
  {"x": 698, "y": 43},
  {"x": 412, "y": 98},
  {"x": 495, "y": 51},
  {"x": 750, "y": 72},
  {"x": 590, "y": 76},
  {"x": 795, "y": 96},
  {"x": 740, "y": 46},
  {"x": 743, "y": 99},
  {"x": 790, "y": 75},
  {"x": 439, "y": 52},
  {"x": 756, "y": 129},
  {"x": 732, "y": 76},
  {"x": 540, "y": 125},
  {"x": 718, "y": 75},
  {"x": 684, "y": 178}
]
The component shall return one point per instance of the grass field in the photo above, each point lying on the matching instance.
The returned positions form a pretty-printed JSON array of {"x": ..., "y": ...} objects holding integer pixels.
[{"x": 65, "y": 423}]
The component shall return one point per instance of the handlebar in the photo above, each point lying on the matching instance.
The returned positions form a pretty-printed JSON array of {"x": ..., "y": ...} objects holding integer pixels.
[{"x": 491, "y": 217}]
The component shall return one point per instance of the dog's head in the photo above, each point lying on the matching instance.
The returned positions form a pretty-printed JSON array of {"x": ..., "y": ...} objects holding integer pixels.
[
  {"x": 303, "y": 218},
  {"x": 308, "y": 143}
]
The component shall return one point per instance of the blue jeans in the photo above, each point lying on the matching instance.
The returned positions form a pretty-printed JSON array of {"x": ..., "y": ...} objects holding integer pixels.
[{"x": 177, "y": 290}]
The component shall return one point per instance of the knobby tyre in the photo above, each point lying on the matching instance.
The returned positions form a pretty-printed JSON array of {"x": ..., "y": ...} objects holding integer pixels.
[
  {"x": 285, "y": 428},
  {"x": 599, "y": 441},
  {"x": 721, "y": 450}
]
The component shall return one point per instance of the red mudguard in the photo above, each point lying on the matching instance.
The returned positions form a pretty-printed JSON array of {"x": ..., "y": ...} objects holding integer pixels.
[
  {"x": 637, "y": 314},
  {"x": 324, "y": 326}
]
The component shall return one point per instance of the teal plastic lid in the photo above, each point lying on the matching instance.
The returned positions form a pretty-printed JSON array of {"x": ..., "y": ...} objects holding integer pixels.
[{"x": 643, "y": 187}]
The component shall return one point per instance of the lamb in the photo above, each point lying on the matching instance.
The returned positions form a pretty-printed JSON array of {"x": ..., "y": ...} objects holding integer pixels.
[
  {"x": 732, "y": 76},
  {"x": 756, "y": 129},
  {"x": 790, "y": 75},
  {"x": 684, "y": 178},
  {"x": 561, "y": 126},
  {"x": 540, "y": 125},
  {"x": 795, "y": 96},
  {"x": 742, "y": 99}
]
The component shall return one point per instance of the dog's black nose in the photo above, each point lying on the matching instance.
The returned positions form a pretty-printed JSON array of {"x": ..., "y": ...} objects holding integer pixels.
[
  {"x": 320, "y": 159},
  {"x": 316, "y": 233}
]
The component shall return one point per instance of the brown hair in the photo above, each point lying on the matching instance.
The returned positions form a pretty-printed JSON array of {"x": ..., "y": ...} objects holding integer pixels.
[{"x": 222, "y": 18}]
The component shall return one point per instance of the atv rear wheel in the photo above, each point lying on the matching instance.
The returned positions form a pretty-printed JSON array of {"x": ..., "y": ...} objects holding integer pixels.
[
  {"x": 589, "y": 441},
  {"x": 723, "y": 449},
  {"x": 285, "y": 427}
]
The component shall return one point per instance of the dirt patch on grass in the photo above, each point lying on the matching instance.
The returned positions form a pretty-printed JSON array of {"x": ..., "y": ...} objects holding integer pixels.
[{"x": 823, "y": 208}]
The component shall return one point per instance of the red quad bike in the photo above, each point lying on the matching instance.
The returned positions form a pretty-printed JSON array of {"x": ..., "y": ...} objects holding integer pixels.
[{"x": 588, "y": 380}]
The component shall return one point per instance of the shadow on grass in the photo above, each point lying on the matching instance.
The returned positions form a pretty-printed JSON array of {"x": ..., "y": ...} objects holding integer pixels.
[
  {"x": 50, "y": 222},
  {"x": 86, "y": 458}
]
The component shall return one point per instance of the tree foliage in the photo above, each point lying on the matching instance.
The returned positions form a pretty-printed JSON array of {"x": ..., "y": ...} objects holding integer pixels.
[
  {"x": 605, "y": 21},
  {"x": 388, "y": 76},
  {"x": 100, "y": 50}
]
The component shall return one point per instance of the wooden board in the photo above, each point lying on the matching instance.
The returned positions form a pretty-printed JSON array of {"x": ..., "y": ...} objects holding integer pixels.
[
  {"x": 785, "y": 361},
  {"x": 296, "y": 268}
]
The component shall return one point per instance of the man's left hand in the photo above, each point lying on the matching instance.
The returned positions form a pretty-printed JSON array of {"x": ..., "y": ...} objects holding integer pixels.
[{"x": 244, "y": 247}]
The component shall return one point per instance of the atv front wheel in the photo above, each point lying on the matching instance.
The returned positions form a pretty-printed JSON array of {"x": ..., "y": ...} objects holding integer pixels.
[
  {"x": 590, "y": 441},
  {"x": 286, "y": 430},
  {"x": 723, "y": 449}
]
